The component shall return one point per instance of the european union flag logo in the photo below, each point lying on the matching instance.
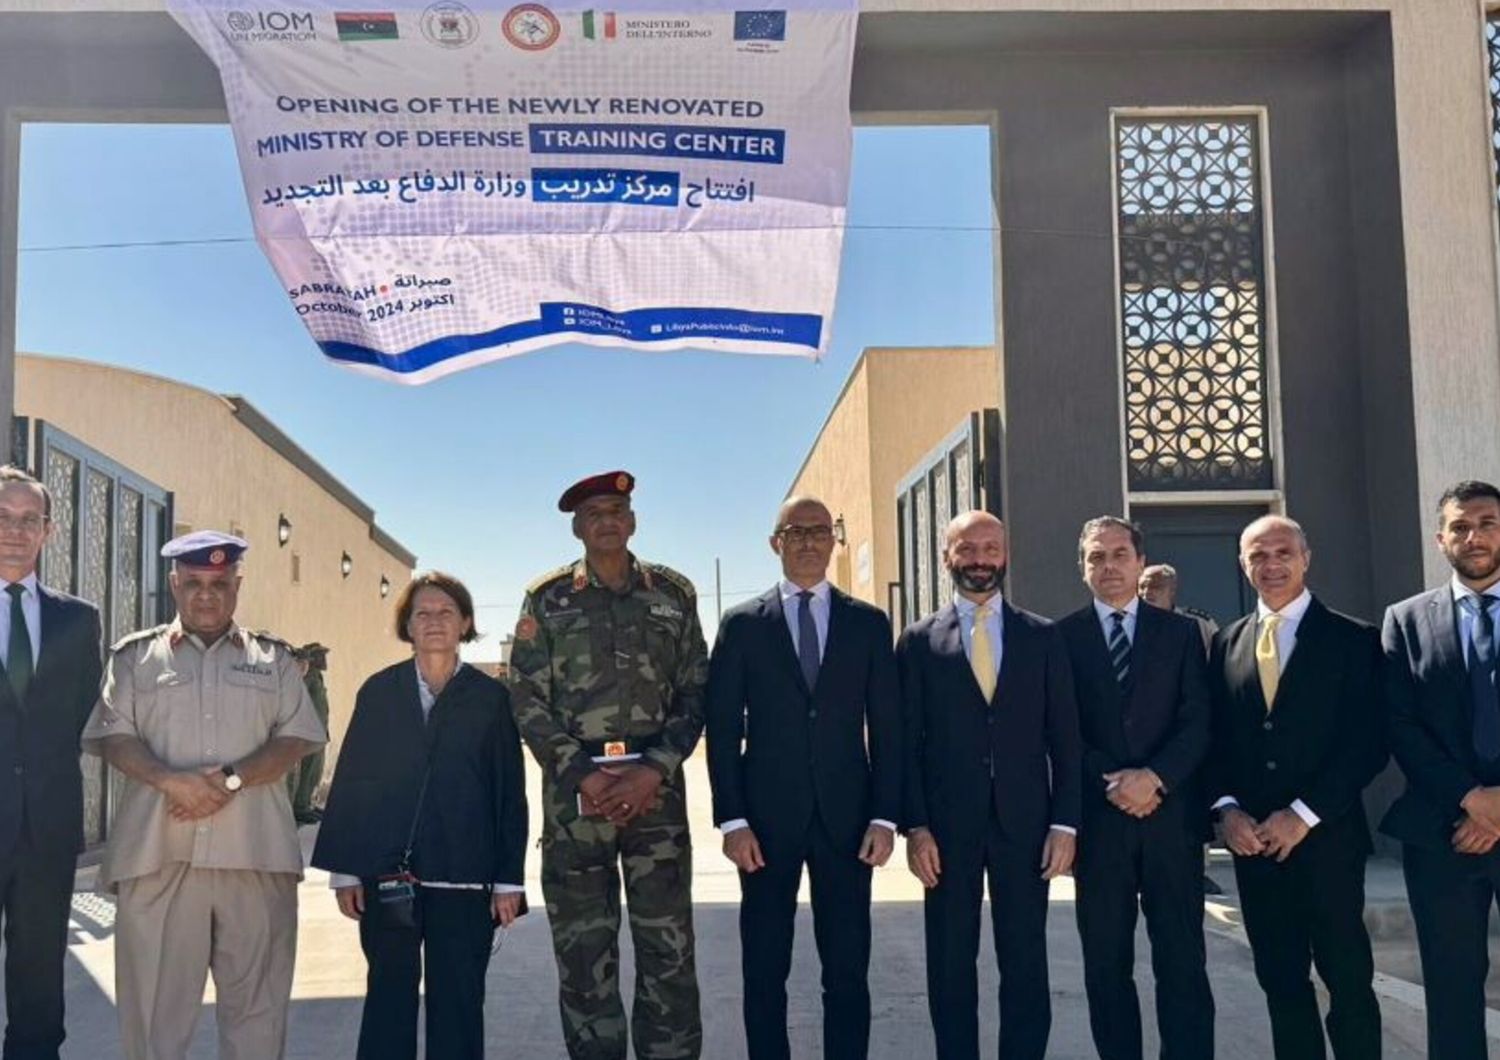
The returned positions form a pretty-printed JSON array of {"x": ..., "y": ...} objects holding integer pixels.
[{"x": 760, "y": 25}]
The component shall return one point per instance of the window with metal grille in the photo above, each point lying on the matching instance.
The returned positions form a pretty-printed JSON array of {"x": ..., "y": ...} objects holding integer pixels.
[
  {"x": 1492, "y": 44},
  {"x": 1192, "y": 303}
]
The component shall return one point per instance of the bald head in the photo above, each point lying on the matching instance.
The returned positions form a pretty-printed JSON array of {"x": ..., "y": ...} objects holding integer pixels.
[
  {"x": 960, "y": 524},
  {"x": 1275, "y": 558},
  {"x": 1274, "y": 523},
  {"x": 799, "y": 509},
  {"x": 803, "y": 538},
  {"x": 976, "y": 553}
]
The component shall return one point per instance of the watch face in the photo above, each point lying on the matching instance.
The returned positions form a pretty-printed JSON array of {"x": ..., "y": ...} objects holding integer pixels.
[{"x": 233, "y": 781}]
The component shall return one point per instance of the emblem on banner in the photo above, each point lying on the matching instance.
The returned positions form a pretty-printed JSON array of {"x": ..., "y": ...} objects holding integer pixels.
[
  {"x": 531, "y": 27},
  {"x": 449, "y": 24}
]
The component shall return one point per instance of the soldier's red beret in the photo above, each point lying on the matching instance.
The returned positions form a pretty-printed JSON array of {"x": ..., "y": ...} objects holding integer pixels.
[{"x": 609, "y": 484}]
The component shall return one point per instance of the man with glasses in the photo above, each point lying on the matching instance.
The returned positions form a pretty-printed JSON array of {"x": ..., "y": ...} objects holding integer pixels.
[
  {"x": 607, "y": 672},
  {"x": 50, "y": 650},
  {"x": 804, "y": 732},
  {"x": 1445, "y": 732}
]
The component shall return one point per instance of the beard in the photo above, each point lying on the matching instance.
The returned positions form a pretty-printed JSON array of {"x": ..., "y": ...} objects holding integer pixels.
[
  {"x": 1475, "y": 566},
  {"x": 979, "y": 577}
]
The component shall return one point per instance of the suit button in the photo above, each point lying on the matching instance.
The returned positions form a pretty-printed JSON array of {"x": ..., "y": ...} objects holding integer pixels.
[
  {"x": 19, "y": 770},
  {"x": 812, "y": 713},
  {"x": 985, "y": 760},
  {"x": 1271, "y": 766},
  {"x": 1267, "y": 726}
]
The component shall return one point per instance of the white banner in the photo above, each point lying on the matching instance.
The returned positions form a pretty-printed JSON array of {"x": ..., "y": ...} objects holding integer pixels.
[{"x": 445, "y": 185}]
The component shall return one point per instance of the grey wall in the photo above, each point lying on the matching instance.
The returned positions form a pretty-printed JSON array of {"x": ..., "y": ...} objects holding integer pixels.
[{"x": 1340, "y": 287}]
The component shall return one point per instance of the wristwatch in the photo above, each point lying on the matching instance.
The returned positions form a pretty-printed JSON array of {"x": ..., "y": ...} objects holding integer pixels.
[{"x": 232, "y": 780}]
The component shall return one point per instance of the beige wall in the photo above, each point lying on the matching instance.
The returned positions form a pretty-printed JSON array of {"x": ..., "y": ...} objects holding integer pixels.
[
  {"x": 896, "y": 407},
  {"x": 222, "y": 475}
]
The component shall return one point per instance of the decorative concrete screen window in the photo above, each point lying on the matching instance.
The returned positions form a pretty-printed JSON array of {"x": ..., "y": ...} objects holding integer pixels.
[{"x": 1191, "y": 244}]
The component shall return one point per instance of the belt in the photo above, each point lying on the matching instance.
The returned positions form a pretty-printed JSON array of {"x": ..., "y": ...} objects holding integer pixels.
[{"x": 613, "y": 748}]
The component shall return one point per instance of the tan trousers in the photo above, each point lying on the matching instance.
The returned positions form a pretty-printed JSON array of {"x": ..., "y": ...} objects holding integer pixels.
[{"x": 176, "y": 925}]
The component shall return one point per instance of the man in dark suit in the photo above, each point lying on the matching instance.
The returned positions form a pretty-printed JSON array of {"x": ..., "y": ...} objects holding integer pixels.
[
  {"x": 798, "y": 678},
  {"x": 1445, "y": 733},
  {"x": 1298, "y": 732},
  {"x": 991, "y": 787},
  {"x": 1143, "y": 709},
  {"x": 50, "y": 649}
]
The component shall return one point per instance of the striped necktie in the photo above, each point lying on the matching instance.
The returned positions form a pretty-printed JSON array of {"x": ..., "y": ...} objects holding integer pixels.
[{"x": 1119, "y": 650}]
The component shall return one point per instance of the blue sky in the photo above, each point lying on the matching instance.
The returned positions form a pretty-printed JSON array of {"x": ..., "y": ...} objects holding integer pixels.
[{"x": 466, "y": 471}]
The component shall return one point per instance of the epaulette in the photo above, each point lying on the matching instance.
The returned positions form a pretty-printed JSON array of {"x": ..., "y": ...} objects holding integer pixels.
[
  {"x": 1198, "y": 612},
  {"x": 670, "y": 575},
  {"x": 540, "y": 583},
  {"x": 131, "y": 638},
  {"x": 269, "y": 638}
]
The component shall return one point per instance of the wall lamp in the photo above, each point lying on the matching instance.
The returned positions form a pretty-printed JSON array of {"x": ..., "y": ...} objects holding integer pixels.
[
  {"x": 346, "y": 564},
  {"x": 839, "y": 534},
  {"x": 385, "y": 587},
  {"x": 283, "y": 530}
]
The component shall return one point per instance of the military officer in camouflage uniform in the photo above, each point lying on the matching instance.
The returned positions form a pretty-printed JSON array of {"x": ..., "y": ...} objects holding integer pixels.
[{"x": 607, "y": 671}]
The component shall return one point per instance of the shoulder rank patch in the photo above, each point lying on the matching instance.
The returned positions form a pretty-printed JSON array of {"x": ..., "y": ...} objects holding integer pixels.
[
  {"x": 551, "y": 576},
  {"x": 526, "y": 628},
  {"x": 266, "y": 637},
  {"x": 668, "y": 574},
  {"x": 131, "y": 638}
]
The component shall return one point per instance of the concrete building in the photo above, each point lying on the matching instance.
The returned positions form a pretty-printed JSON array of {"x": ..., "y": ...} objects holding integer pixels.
[
  {"x": 319, "y": 567},
  {"x": 895, "y": 407},
  {"x": 1255, "y": 239}
]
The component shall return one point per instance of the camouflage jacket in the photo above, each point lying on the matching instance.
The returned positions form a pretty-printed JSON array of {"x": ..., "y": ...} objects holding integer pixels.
[{"x": 590, "y": 665}]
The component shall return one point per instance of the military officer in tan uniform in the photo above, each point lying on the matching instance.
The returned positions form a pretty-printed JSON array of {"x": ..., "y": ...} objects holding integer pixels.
[{"x": 204, "y": 719}]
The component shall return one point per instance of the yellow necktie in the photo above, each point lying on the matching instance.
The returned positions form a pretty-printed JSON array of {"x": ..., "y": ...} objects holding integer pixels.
[
  {"x": 981, "y": 654},
  {"x": 1267, "y": 658}
]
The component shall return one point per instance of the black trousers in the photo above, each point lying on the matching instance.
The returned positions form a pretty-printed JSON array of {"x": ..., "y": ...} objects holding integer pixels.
[
  {"x": 1451, "y": 896},
  {"x": 36, "y": 888},
  {"x": 1018, "y": 910},
  {"x": 840, "y": 885},
  {"x": 1309, "y": 910},
  {"x": 454, "y": 937},
  {"x": 1155, "y": 866}
]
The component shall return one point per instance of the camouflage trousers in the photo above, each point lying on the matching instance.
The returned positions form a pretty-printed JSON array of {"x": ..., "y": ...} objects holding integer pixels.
[
  {"x": 581, "y": 862},
  {"x": 302, "y": 782}
]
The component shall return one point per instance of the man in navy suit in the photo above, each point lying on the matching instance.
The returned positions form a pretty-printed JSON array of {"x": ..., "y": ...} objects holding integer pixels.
[
  {"x": 992, "y": 788},
  {"x": 1445, "y": 733},
  {"x": 1298, "y": 733},
  {"x": 1143, "y": 709},
  {"x": 51, "y": 653},
  {"x": 804, "y": 729}
]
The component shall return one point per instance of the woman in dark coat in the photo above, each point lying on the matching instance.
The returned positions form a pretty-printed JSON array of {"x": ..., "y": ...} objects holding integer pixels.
[{"x": 456, "y": 842}]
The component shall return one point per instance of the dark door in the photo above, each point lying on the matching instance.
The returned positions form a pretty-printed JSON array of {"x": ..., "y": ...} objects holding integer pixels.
[{"x": 1202, "y": 542}]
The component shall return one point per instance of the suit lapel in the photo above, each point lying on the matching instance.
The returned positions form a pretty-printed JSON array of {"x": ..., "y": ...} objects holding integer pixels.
[
  {"x": 838, "y": 608},
  {"x": 948, "y": 642},
  {"x": 1243, "y": 673},
  {"x": 781, "y": 636},
  {"x": 1309, "y": 633},
  {"x": 50, "y": 630},
  {"x": 1443, "y": 631},
  {"x": 1101, "y": 667}
]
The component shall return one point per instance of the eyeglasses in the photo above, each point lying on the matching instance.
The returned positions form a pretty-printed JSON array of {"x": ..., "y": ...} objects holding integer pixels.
[
  {"x": 31, "y": 524},
  {"x": 794, "y": 535}
]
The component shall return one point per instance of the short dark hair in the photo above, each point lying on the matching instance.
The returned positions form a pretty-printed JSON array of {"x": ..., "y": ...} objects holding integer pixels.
[
  {"x": 443, "y": 583},
  {"x": 1470, "y": 489},
  {"x": 1105, "y": 522},
  {"x": 11, "y": 473}
]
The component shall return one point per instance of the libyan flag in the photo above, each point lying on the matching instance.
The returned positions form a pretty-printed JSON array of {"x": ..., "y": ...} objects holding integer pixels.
[
  {"x": 366, "y": 25},
  {"x": 599, "y": 24}
]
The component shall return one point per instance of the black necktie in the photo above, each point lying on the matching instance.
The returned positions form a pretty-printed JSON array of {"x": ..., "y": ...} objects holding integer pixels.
[
  {"x": 1482, "y": 679},
  {"x": 807, "y": 639},
  {"x": 1119, "y": 651},
  {"x": 18, "y": 658}
]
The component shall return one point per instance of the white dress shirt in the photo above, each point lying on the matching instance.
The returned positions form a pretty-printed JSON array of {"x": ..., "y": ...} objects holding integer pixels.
[
  {"x": 31, "y": 607},
  {"x": 994, "y": 625},
  {"x": 427, "y": 698},
  {"x": 1106, "y": 615},
  {"x": 1465, "y": 619},
  {"x": 1286, "y": 643},
  {"x": 791, "y": 607}
]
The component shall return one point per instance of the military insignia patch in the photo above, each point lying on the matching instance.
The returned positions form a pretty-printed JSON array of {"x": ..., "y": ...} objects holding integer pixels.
[
  {"x": 622, "y": 482},
  {"x": 614, "y": 748},
  {"x": 526, "y": 628},
  {"x": 216, "y": 558}
]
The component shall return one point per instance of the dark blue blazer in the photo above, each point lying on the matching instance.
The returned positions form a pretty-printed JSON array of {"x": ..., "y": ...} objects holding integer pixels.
[
  {"x": 1323, "y": 742},
  {"x": 1164, "y": 723},
  {"x": 778, "y": 751},
  {"x": 1431, "y": 718},
  {"x": 1017, "y": 757},
  {"x": 473, "y": 827},
  {"x": 41, "y": 783}
]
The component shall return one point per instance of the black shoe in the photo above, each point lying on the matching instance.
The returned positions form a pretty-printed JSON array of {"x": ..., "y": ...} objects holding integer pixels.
[{"x": 1210, "y": 887}]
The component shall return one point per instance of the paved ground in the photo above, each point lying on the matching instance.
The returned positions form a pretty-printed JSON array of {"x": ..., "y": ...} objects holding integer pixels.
[{"x": 521, "y": 1012}]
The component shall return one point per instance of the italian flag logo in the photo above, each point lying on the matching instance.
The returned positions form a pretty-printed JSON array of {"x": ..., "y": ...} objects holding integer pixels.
[{"x": 599, "y": 25}]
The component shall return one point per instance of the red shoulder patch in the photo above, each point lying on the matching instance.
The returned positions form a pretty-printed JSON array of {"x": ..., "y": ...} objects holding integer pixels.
[{"x": 526, "y": 628}]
